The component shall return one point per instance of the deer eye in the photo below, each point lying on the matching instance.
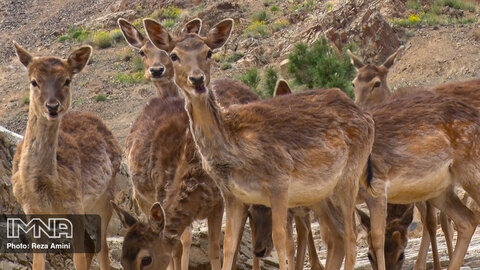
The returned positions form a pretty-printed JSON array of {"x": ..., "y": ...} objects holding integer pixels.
[
  {"x": 174, "y": 57},
  {"x": 142, "y": 53},
  {"x": 67, "y": 82},
  {"x": 209, "y": 54},
  {"x": 147, "y": 260},
  {"x": 34, "y": 83},
  {"x": 377, "y": 84}
]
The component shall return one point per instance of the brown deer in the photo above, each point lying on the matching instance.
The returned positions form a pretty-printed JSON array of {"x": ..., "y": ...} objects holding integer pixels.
[
  {"x": 67, "y": 161},
  {"x": 156, "y": 63},
  {"x": 371, "y": 88},
  {"x": 292, "y": 150},
  {"x": 399, "y": 218},
  {"x": 424, "y": 143}
]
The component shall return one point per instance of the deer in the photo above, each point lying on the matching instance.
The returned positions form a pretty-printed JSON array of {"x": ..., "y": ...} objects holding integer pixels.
[
  {"x": 292, "y": 150},
  {"x": 371, "y": 88},
  {"x": 67, "y": 160},
  {"x": 422, "y": 147},
  {"x": 155, "y": 145}
]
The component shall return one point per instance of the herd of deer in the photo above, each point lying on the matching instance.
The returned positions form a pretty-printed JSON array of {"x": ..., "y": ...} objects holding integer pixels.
[{"x": 200, "y": 148}]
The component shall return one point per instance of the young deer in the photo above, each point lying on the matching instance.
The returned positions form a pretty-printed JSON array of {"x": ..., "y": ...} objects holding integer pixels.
[
  {"x": 289, "y": 151},
  {"x": 424, "y": 143},
  {"x": 399, "y": 218},
  {"x": 67, "y": 161},
  {"x": 371, "y": 88},
  {"x": 156, "y": 63}
]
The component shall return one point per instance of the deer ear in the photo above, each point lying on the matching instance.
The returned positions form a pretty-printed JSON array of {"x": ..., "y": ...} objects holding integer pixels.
[
  {"x": 158, "y": 35},
  {"x": 282, "y": 88},
  {"x": 397, "y": 237},
  {"x": 356, "y": 62},
  {"x": 219, "y": 34},
  {"x": 157, "y": 217},
  {"x": 133, "y": 37},
  {"x": 391, "y": 59},
  {"x": 407, "y": 216},
  {"x": 364, "y": 219},
  {"x": 78, "y": 59},
  {"x": 193, "y": 26},
  {"x": 22, "y": 54},
  {"x": 126, "y": 219}
]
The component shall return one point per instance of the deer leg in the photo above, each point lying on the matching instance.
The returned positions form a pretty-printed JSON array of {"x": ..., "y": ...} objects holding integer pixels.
[
  {"x": 103, "y": 258},
  {"x": 214, "y": 234},
  {"x": 79, "y": 259},
  {"x": 315, "y": 263},
  {"x": 290, "y": 247},
  {"x": 421, "y": 262},
  {"x": 256, "y": 261},
  {"x": 279, "y": 204},
  {"x": 186, "y": 240},
  {"x": 38, "y": 261},
  {"x": 378, "y": 217},
  {"x": 448, "y": 232},
  {"x": 464, "y": 220},
  {"x": 347, "y": 207},
  {"x": 240, "y": 236},
  {"x": 177, "y": 255},
  {"x": 331, "y": 227},
  {"x": 431, "y": 220},
  {"x": 235, "y": 211},
  {"x": 302, "y": 238}
]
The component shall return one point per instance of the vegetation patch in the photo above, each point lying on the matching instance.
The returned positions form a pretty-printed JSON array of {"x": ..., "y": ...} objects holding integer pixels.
[
  {"x": 250, "y": 77},
  {"x": 168, "y": 12},
  {"x": 100, "y": 97},
  {"x": 256, "y": 29},
  {"x": 24, "y": 100},
  {"x": 129, "y": 78},
  {"x": 279, "y": 24},
  {"x": 267, "y": 80},
  {"x": 319, "y": 66}
]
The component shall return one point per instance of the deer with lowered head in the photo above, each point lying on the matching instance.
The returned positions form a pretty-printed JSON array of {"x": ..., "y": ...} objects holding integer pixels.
[
  {"x": 159, "y": 150},
  {"x": 67, "y": 161},
  {"x": 292, "y": 150}
]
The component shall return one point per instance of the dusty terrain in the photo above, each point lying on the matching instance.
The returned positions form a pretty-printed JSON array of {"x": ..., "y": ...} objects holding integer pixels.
[{"x": 433, "y": 55}]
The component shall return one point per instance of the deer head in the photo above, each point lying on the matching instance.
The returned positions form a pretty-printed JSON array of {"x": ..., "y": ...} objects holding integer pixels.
[
  {"x": 145, "y": 246},
  {"x": 50, "y": 79},
  {"x": 191, "y": 54},
  {"x": 156, "y": 62},
  {"x": 396, "y": 238},
  {"x": 370, "y": 84}
]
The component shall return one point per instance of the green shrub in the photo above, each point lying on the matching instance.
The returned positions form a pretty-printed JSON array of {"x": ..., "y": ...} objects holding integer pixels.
[
  {"x": 250, "y": 77},
  {"x": 168, "y": 23},
  {"x": 129, "y": 78},
  {"x": 457, "y": 4},
  {"x": 413, "y": 4},
  {"x": 25, "y": 100},
  {"x": 270, "y": 77},
  {"x": 63, "y": 38},
  {"x": 234, "y": 57},
  {"x": 137, "y": 63},
  {"x": 328, "y": 6},
  {"x": 279, "y": 24},
  {"x": 256, "y": 29},
  {"x": 274, "y": 9},
  {"x": 260, "y": 16},
  {"x": 102, "y": 39},
  {"x": 318, "y": 66},
  {"x": 116, "y": 35},
  {"x": 225, "y": 66},
  {"x": 100, "y": 97},
  {"x": 169, "y": 12},
  {"x": 80, "y": 101}
]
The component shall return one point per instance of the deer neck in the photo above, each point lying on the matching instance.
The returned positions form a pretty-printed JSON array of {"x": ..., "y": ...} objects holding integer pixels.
[
  {"x": 166, "y": 89},
  {"x": 208, "y": 131},
  {"x": 39, "y": 158}
]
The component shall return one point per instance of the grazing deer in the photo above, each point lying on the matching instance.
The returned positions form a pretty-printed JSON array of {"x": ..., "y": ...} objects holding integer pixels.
[
  {"x": 292, "y": 150},
  {"x": 156, "y": 63},
  {"x": 67, "y": 161},
  {"x": 424, "y": 143},
  {"x": 371, "y": 88},
  {"x": 399, "y": 218}
]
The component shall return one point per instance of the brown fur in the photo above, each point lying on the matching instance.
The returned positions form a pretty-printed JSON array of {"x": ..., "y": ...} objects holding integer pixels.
[
  {"x": 318, "y": 139},
  {"x": 67, "y": 161}
]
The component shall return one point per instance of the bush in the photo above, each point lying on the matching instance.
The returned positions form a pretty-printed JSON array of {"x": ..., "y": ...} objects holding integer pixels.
[
  {"x": 279, "y": 24},
  {"x": 318, "y": 66},
  {"x": 129, "y": 78},
  {"x": 260, "y": 16},
  {"x": 225, "y": 66},
  {"x": 457, "y": 4},
  {"x": 274, "y": 9},
  {"x": 100, "y": 97},
  {"x": 116, "y": 35},
  {"x": 63, "y": 38},
  {"x": 270, "y": 78},
  {"x": 256, "y": 29},
  {"x": 169, "y": 12},
  {"x": 250, "y": 77},
  {"x": 137, "y": 63},
  {"x": 168, "y": 23},
  {"x": 25, "y": 99},
  {"x": 102, "y": 39},
  {"x": 234, "y": 57}
]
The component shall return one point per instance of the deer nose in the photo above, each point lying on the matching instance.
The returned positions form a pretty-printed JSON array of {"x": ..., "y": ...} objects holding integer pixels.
[
  {"x": 196, "y": 79},
  {"x": 157, "y": 71},
  {"x": 261, "y": 253},
  {"x": 52, "y": 106}
]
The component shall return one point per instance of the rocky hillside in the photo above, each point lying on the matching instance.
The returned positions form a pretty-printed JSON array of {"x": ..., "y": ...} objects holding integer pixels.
[{"x": 441, "y": 40}]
